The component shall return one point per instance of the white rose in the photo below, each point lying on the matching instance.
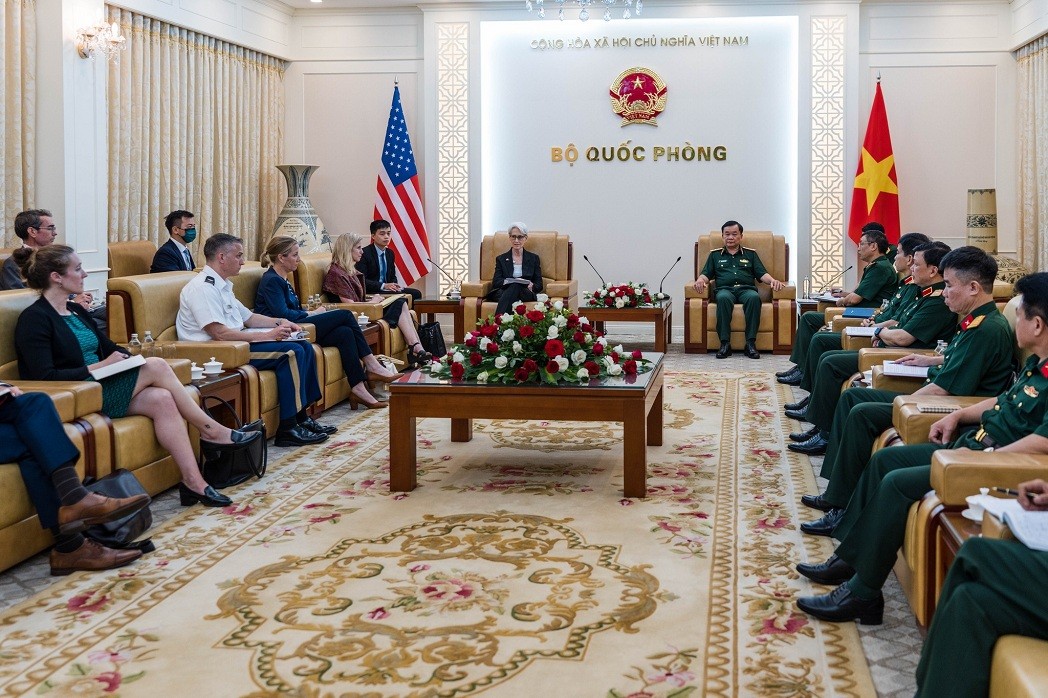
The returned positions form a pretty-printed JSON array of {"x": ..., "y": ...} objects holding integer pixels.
[
  {"x": 560, "y": 321},
  {"x": 517, "y": 348},
  {"x": 541, "y": 298},
  {"x": 583, "y": 374},
  {"x": 458, "y": 357},
  {"x": 562, "y": 361},
  {"x": 614, "y": 370},
  {"x": 484, "y": 342},
  {"x": 482, "y": 377},
  {"x": 501, "y": 361},
  {"x": 620, "y": 303},
  {"x": 507, "y": 317},
  {"x": 539, "y": 306},
  {"x": 579, "y": 357},
  {"x": 608, "y": 363},
  {"x": 553, "y": 332},
  {"x": 589, "y": 338},
  {"x": 508, "y": 335},
  {"x": 583, "y": 320},
  {"x": 618, "y": 349},
  {"x": 559, "y": 305},
  {"x": 602, "y": 340}
]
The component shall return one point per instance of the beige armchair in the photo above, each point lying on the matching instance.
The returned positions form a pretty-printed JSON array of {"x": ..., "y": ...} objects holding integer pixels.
[
  {"x": 130, "y": 258},
  {"x": 555, "y": 250},
  {"x": 778, "y": 308}
]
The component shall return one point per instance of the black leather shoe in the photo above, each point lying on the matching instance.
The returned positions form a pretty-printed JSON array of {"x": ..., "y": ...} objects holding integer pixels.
[
  {"x": 800, "y": 415},
  {"x": 792, "y": 378},
  {"x": 816, "y": 501},
  {"x": 799, "y": 436},
  {"x": 241, "y": 439},
  {"x": 825, "y": 525},
  {"x": 783, "y": 374},
  {"x": 298, "y": 435},
  {"x": 210, "y": 497},
  {"x": 815, "y": 446},
  {"x": 316, "y": 427},
  {"x": 751, "y": 351},
  {"x": 799, "y": 405},
  {"x": 832, "y": 572},
  {"x": 724, "y": 351},
  {"x": 841, "y": 605}
]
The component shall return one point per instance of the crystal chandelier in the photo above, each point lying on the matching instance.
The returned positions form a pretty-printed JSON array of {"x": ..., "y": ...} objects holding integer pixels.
[
  {"x": 99, "y": 39},
  {"x": 584, "y": 6}
]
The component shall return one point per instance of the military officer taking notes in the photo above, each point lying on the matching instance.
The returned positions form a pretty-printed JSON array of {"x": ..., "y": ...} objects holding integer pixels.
[{"x": 735, "y": 271}]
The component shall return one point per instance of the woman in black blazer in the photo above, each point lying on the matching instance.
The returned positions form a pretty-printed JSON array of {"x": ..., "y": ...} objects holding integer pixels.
[
  {"x": 56, "y": 340},
  {"x": 518, "y": 263}
]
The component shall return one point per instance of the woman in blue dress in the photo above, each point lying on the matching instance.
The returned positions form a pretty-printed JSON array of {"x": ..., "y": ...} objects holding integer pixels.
[
  {"x": 335, "y": 327},
  {"x": 56, "y": 340}
]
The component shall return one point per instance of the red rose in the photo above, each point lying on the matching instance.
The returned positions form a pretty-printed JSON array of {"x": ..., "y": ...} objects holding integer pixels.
[
  {"x": 493, "y": 348},
  {"x": 593, "y": 367},
  {"x": 521, "y": 374},
  {"x": 498, "y": 319},
  {"x": 475, "y": 358},
  {"x": 598, "y": 348},
  {"x": 471, "y": 340},
  {"x": 535, "y": 315},
  {"x": 630, "y": 367},
  {"x": 526, "y": 331},
  {"x": 637, "y": 354},
  {"x": 615, "y": 356},
  {"x": 579, "y": 337},
  {"x": 586, "y": 327},
  {"x": 554, "y": 347},
  {"x": 488, "y": 330},
  {"x": 457, "y": 370},
  {"x": 609, "y": 301},
  {"x": 552, "y": 367},
  {"x": 520, "y": 309},
  {"x": 529, "y": 365},
  {"x": 573, "y": 320}
]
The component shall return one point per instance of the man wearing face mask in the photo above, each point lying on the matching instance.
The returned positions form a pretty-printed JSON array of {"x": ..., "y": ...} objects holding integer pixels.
[{"x": 174, "y": 255}]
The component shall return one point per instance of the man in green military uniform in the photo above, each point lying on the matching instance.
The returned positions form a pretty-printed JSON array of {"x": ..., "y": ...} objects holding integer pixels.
[
  {"x": 920, "y": 324},
  {"x": 735, "y": 270},
  {"x": 879, "y": 282},
  {"x": 874, "y": 526},
  {"x": 978, "y": 361},
  {"x": 824, "y": 342},
  {"x": 994, "y": 588}
]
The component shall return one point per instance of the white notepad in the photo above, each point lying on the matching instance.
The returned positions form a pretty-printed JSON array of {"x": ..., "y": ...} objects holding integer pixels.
[
  {"x": 891, "y": 368},
  {"x": 119, "y": 367}
]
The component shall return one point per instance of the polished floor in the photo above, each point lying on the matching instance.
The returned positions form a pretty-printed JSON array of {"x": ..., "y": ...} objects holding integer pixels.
[{"x": 892, "y": 649}]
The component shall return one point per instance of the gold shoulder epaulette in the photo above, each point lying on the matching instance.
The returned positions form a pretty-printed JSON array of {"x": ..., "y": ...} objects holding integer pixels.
[{"x": 975, "y": 322}]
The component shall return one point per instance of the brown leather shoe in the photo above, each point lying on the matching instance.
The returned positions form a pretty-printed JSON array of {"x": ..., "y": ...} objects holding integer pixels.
[
  {"x": 91, "y": 556},
  {"x": 95, "y": 509},
  {"x": 381, "y": 377}
]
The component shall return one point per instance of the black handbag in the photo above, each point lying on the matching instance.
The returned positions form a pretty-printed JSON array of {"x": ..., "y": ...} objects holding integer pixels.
[
  {"x": 432, "y": 339},
  {"x": 121, "y": 533},
  {"x": 223, "y": 467}
]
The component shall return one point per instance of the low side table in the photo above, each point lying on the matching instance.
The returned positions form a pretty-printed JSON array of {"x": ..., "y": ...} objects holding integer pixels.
[
  {"x": 231, "y": 387},
  {"x": 954, "y": 529},
  {"x": 437, "y": 306},
  {"x": 370, "y": 331},
  {"x": 661, "y": 314}
]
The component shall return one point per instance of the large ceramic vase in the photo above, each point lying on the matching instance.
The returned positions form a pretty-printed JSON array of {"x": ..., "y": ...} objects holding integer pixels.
[
  {"x": 298, "y": 218},
  {"x": 982, "y": 219}
]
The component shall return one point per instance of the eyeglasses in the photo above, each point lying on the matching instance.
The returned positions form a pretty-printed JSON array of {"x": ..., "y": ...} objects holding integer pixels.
[
  {"x": 518, "y": 237},
  {"x": 49, "y": 228}
]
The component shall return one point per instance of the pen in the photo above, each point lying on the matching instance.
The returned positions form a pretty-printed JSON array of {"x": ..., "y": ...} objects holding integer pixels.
[{"x": 1014, "y": 493}]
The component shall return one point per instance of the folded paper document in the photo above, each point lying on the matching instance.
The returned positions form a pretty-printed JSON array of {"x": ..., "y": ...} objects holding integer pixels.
[{"x": 891, "y": 368}]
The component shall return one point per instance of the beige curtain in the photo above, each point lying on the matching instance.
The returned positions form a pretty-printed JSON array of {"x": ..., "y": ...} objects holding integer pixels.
[
  {"x": 1033, "y": 154},
  {"x": 194, "y": 123},
  {"x": 18, "y": 113}
]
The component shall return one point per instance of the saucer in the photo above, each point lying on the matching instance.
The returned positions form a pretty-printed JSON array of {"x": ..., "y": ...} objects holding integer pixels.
[{"x": 972, "y": 516}]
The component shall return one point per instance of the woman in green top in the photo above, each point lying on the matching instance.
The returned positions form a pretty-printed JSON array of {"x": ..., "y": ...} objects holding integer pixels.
[{"x": 56, "y": 340}]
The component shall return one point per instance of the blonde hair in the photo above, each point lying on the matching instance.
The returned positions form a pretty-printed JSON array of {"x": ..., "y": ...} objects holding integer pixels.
[
  {"x": 342, "y": 250},
  {"x": 278, "y": 245}
]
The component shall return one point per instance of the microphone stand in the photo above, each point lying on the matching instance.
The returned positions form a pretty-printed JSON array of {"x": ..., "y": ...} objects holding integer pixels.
[
  {"x": 456, "y": 285},
  {"x": 595, "y": 270},
  {"x": 667, "y": 274},
  {"x": 823, "y": 289}
]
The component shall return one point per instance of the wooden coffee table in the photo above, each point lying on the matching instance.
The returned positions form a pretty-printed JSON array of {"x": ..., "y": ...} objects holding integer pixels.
[
  {"x": 636, "y": 401},
  {"x": 661, "y": 314},
  {"x": 438, "y": 306}
]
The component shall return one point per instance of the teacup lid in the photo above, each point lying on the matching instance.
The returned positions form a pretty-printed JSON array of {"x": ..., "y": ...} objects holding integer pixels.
[{"x": 212, "y": 362}]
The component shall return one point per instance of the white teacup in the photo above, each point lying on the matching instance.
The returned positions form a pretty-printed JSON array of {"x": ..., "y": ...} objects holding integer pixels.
[
  {"x": 362, "y": 319},
  {"x": 975, "y": 505},
  {"x": 196, "y": 372},
  {"x": 212, "y": 366}
]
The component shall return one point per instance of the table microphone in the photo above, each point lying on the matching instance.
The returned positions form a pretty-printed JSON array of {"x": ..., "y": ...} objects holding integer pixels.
[
  {"x": 595, "y": 270},
  {"x": 823, "y": 289},
  {"x": 668, "y": 273},
  {"x": 441, "y": 270}
]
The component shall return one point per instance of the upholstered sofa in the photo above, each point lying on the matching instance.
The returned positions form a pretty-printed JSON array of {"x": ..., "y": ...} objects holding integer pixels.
[
  {"x": 105, "y": 444},
  {"x": 778, "y": 323},
  {"x": 308, "y": 280},
  {"x": 556, "y": 253},
  {"x": 130, "y": 258}
]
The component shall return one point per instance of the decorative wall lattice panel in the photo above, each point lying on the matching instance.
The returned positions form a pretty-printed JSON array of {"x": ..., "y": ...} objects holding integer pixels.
[{"x": 453, "y": 151}]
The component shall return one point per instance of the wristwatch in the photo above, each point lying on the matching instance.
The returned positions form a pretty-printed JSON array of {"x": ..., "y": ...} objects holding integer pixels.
[{"x": 877, "y": 332}]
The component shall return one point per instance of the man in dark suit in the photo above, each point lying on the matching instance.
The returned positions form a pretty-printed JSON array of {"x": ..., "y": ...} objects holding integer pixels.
[
  {"x": 35, "y": 228},
  {"x": 174, "y": 255},
  {"x": 378, "y": 263},
  {"x": 31, "y": 434}
]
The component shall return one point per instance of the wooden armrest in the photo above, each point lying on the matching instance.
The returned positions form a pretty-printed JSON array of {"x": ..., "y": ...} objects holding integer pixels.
[
  {"x": 839, "y": 322},
  {"x": 182, "y": 369},
  {"x": 912, "y": 424},
  {"x": 231, "y": 354},
  {"x": 868, "y": 358},
  {"x": 850, "y": 343},
  {"x": 475, "y": 289},
  {"x": 690, "y": 292},
  {"x": 787, "y": 293},
  {"x": 896, "y": 384},
  {"x": 87, "y": 395},
  {"x": 562, "y": 289},
  {"x": 957, "y": 473}
]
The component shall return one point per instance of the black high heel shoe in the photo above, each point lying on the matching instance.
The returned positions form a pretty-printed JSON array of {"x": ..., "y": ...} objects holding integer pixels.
[
  {"x": 241, "y": 439},
  {"x": 420, "y": 357},
  {"x": 210, "y": 498}
]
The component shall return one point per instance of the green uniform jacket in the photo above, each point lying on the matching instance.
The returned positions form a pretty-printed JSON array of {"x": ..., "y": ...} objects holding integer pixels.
[
  {"x": 879, "y": 281},
  {"x": 903, "y": 296},
  {"x": 927, "y": 318},
  {"x": 1023, "y": 409},
  {"x": 726, "y": 270},
  {"x": 979, "y": 360}
]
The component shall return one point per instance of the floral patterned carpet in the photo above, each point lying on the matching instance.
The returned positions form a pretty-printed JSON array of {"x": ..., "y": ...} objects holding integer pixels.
[{"x": 515, "y": 569}]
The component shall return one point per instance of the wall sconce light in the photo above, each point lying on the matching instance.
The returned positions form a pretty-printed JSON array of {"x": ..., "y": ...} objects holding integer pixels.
[{"x": 99, "y": 39}]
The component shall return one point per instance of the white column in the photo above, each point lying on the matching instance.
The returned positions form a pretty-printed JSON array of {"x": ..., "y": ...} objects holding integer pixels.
[{"x": 71, "y": 134}]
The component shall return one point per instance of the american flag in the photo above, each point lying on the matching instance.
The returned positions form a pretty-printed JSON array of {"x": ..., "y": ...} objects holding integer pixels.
[{"x": 399, "y": 200}]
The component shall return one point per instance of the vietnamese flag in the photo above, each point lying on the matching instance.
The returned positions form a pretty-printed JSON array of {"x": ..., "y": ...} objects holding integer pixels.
[{"x": 876, "y": 193}]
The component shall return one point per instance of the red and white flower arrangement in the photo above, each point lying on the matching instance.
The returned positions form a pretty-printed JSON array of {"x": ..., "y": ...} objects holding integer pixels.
[
  {"x": 539, "y": 342},
  {"x": 627, "y": 295}
]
